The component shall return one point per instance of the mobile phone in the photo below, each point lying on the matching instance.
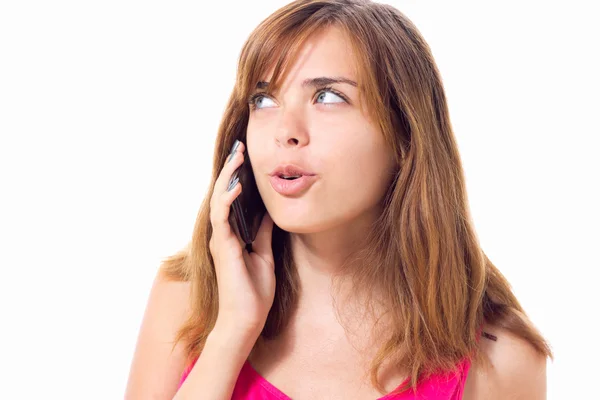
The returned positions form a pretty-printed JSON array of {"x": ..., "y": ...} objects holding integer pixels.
[{"x": 248, "y": 208}]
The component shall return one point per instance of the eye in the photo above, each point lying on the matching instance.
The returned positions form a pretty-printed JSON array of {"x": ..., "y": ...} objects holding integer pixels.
[
  {"x": 256, "y": 101},
  {"x": 325, "y": 92}
]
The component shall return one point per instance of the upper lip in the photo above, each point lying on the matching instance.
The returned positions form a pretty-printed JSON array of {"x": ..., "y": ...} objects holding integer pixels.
[{"x": 290, "y": 170}]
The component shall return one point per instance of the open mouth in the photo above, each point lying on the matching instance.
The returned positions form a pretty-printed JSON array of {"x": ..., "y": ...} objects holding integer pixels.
[{"x": 293, "y": 184}]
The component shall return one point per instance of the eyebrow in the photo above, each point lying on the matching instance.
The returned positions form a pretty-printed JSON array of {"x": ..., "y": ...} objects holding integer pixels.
[{"x": 315, "y": 82}]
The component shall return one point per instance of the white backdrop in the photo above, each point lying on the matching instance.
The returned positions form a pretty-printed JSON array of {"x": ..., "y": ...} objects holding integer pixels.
[{"x": 108, "y": 116}]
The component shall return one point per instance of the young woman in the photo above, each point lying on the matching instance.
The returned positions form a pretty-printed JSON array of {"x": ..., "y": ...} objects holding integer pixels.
[{"x": 367, "y": 280}]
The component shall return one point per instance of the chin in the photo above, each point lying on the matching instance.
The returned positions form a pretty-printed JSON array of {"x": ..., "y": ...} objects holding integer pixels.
[
  {"x": 302, "y": 214},
  {"x": 294, "y": 224},
  {"x": 299, "y": 229},
  {"x": 301, "y": 223},
  {"x": 293, "y": 221}
]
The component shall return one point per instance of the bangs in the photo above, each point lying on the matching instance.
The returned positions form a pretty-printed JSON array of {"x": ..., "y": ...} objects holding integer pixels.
[
  {"x": 275, "y": 46},
  {"x": 278, "y": 57}
]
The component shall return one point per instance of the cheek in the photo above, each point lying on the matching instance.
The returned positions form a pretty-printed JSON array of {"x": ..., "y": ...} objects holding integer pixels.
[
  {"x": 255, "y": 149},
  {"x": 362, "y": 170}
]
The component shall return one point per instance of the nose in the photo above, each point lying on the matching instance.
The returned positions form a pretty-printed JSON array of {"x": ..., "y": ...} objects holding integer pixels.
[{"x": 292, "y": 130}]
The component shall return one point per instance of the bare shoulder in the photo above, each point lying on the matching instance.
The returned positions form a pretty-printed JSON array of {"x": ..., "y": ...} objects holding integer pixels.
[
  {"x": 517, "y": 370},
  {"x": 155, "y": 369}
]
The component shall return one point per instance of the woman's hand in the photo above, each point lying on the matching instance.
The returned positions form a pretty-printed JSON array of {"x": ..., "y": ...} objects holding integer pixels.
[{"x": 246, "y": 281}]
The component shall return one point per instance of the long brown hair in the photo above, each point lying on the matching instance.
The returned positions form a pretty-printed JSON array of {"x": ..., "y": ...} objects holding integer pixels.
[{"x": 422, "y": 257}]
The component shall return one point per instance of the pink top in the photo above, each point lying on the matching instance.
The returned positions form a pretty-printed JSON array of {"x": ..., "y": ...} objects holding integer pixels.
[{"x": 251, "y": 385}]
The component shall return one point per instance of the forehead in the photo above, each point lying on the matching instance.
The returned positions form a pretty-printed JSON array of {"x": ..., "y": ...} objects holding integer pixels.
[{"x": 326, "y": 53}]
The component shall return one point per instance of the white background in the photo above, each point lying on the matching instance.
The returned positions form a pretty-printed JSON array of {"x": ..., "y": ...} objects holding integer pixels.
[{"x": 108, "y": 116}]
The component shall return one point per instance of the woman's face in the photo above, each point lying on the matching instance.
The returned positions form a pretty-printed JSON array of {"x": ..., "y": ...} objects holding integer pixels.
[{"x": 326, "y": 133}]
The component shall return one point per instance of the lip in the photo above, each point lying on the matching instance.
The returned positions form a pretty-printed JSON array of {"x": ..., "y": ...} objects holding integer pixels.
[
  {"x": 292, "y": 187},
  {"x": 290, "y": 170}
]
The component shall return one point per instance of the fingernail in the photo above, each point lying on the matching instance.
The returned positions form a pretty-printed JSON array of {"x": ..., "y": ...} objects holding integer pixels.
[
  {"x": 236, "y": 144},
  {"x": 232, "y": 184}
]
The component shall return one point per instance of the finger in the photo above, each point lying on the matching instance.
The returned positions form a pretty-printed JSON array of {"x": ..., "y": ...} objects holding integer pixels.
[
  {"x": 229, "y": 172},
  {"x": 232, "y": 162},
  {"x": 220, "y": 213},
  {"x": 223, "y": 182},
  {"x": 239, "y": 146},
  {"x": 262, "y": 242}
]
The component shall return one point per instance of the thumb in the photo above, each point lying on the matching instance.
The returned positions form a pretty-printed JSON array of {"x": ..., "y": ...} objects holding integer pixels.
[{"x": 262, "y": 242}]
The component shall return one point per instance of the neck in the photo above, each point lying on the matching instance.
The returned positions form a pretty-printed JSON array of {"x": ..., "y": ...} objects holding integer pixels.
[{"x": 320, "y": 256}]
